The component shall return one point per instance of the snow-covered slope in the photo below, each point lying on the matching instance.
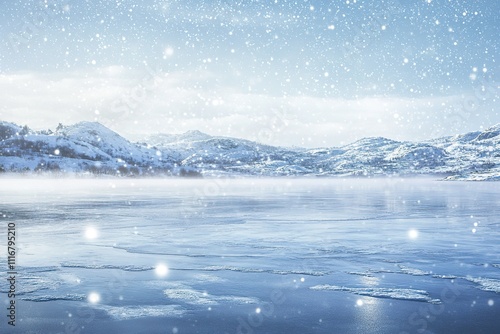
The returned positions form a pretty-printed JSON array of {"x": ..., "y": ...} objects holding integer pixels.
[
  {"x": 91, "y": 147},
  {"x": 230, "y": 155},
  {"x": 165, "y": 139},
  {"x": 83, "y": 147},
  {"x": 474, "y": 155}
]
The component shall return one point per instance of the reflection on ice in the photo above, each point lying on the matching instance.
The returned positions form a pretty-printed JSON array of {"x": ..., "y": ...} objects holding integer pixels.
[{"x": 368, "y": 314}]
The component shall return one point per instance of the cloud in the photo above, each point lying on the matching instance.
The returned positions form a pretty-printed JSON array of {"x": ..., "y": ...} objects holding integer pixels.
[{"x": 141, "y": 101}]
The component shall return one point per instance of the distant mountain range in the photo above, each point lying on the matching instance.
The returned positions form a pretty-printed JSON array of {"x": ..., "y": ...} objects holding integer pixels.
[{"x": 89, "y": 147}]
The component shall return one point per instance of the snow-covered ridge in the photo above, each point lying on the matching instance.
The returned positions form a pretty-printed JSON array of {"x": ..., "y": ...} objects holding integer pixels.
[
  {"x": 93, "y": 148},
  {"x": 85, "y": 147}
]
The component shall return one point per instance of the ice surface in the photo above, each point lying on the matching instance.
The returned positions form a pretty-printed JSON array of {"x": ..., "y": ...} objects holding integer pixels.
[
  {"x": 394, "y": 293},
  {"x": 250, "y": 244}
]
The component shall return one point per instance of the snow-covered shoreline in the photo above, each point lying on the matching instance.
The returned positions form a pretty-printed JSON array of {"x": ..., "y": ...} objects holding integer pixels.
[{"x": 89, "y": 148}]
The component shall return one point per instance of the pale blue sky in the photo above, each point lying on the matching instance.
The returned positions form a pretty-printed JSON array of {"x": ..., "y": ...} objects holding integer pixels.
[{"x": 310, "y": 73}]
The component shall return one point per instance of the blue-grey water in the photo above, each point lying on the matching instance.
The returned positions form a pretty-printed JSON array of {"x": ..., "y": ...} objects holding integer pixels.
[{"x": 252, "y": 256}]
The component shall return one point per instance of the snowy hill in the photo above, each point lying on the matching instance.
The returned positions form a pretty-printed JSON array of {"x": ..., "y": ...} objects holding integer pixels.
[
  {"x": 91, "y": 147},
  {"x": 83, "y": 147},
  {"x": 165, "y": 139}
]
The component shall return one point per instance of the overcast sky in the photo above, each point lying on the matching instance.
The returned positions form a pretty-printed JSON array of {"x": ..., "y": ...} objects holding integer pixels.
[{"x": 302, "y": 73}]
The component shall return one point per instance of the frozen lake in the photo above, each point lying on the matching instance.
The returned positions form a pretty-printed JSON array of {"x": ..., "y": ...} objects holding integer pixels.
[{"x": 252, "y": 256}]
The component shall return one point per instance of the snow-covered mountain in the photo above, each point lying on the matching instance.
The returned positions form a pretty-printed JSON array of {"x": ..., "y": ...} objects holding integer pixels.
[
  {"x": 83, "y": 147},
  {"x": 91, "y": 147}
]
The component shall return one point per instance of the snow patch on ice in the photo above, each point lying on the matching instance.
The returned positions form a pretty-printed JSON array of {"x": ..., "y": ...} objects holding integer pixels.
[
  {"x": 382, "y": 271},
  {"x": 28, "y": 283},
  {"x": 413, "y": 271},
  {"x": 209, "y": 278},
  {"x": 107, "y": 266},
  {"x": 230, "y": 268},
  {"x": 190, "y": 296},
  {"x": 445, "y": 276},
  {"x": 298, "y": 272},
  {"x": 135, "y": 312},
  {"x": 395, "y": 293},
  {"x": 238, "y": 300},
  {"x": 195, "y": 297},
  {"x": 485, "y": 284},
  {"x": 357, "y": 273},
  {"x": 166, "y": 284},
  {"x": 49, "y": 298},
  {"x": 36, "y": 269},
  {"x": 269, "y": 271},
  {"x": 31, "y": 280}
]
